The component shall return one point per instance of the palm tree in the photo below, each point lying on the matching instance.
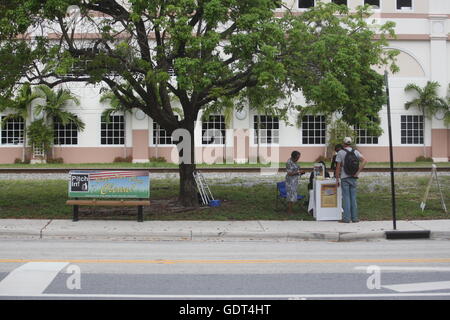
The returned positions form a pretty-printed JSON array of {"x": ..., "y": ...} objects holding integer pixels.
[
  {"x": 20, "y": 106},
  {"x": 447, "y": 109},
  {"x": 427, "y": 101},
  {"x": 55, "y": 103}
]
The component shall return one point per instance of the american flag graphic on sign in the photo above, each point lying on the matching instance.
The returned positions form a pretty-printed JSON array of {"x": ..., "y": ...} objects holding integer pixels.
[{"x": 102, "y": 175}]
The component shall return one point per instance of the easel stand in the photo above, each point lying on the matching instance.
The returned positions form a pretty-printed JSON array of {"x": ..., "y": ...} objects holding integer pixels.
[{"x": 433, "y": 176}]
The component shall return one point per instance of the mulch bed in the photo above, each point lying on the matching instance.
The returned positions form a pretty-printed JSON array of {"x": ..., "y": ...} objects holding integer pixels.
[{"x": 165, "y": 206}]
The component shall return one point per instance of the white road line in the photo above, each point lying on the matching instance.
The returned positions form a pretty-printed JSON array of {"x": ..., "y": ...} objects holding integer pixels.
[
  {"x": 420, "y": 286},
  {"x": 388, "y": 268},
  {"x": 31, "y": 278},
  {"x": 249, "y": 297}
]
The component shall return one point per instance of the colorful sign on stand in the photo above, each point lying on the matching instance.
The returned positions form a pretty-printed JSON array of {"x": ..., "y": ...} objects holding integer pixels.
[
  {"x": 109, "y": 184},
  {"x": 328, "y": 195}
]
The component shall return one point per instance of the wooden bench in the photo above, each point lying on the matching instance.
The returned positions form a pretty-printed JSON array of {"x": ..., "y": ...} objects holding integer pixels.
[{"x": 115, "y": 203}]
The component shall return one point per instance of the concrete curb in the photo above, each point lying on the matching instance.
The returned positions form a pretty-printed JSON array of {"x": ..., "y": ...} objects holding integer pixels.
[
  {"x": 358, "y": 236},
  {"x": 314, "y": 236},
  {"x": 155, "y": 236},
  {"x": 237, "y": 235},
  {"x": 228, "y": 236},
  {"x": 211, "y": 236},
  {"x": 215, "y": 236},
  {"x": 435, "y": 235},
  {"x": 283, "y": 231}
]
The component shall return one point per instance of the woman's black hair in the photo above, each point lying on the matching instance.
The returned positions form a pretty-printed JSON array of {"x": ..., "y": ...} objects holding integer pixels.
[{"x": 295, "y": 154}]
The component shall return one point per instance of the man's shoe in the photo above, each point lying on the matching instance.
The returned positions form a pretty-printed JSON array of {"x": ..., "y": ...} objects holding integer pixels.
[
  {"x": 355, "y": 221},
  {"x": 343, "y": 221}
]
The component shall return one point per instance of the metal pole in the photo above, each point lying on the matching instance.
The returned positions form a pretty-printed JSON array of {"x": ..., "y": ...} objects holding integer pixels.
[
  {"x": 391, "y": 154},
  {"x": 140, "y": 214}
]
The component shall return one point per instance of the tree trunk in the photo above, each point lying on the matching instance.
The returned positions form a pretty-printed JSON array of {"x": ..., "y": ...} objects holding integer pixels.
[{"x": 188, "y": 190}]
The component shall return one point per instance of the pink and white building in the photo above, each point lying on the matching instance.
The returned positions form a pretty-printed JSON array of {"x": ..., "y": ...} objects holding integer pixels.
[{"x": 422, "y": 28}]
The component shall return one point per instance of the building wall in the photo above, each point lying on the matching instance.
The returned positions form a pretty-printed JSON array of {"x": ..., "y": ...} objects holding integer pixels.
[
  {"x": 448, "y": 144},
  {"x": 9, "y": 154},
  {"x": 423, "y": 41}
]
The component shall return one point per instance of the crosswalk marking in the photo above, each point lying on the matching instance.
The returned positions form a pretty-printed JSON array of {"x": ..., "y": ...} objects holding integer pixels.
[
  {"x": 419, "y": 287},
  {"x": 31, "y": 278}
]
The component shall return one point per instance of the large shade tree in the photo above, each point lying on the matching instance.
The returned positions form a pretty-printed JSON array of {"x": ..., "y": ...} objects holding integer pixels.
[{"x": 217, "y": 51}]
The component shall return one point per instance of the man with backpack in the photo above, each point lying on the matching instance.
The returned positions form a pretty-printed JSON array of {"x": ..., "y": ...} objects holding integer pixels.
[{"x": 350, "y": 163}]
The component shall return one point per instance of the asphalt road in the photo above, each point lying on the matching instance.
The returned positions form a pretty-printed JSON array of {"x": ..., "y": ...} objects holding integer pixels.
[{"x": 224, "y": 270}]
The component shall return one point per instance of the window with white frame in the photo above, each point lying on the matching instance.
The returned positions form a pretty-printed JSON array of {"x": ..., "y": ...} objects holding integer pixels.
[
  {"x": 268, "y": 129},
  {"x": 313, "y": 129},
  {"x": 340, "y": 2},
  {"x": 38, "y": 151},
  {"x": 305, "y": 4},
  {"x": 160, "y": 135},
  {"x": 171, "y": 72},
  {"x": 213, "y": 130},
  {"x": 363, "y": 136},
  {"x": 83, "y": 59},
  {"x": 79, "y": 67},
  {"x": 12, "y": 131},
  {"x": 411, "y": 129},
  {"x": 374, "y": 3},
  {"x": 113, "y": 130},
  {"x": 64, "y": 134},
  {"x": 404, "y": 4}
]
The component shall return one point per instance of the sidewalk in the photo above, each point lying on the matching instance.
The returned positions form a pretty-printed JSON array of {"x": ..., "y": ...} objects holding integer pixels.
[{"x": 214, "y": 230}]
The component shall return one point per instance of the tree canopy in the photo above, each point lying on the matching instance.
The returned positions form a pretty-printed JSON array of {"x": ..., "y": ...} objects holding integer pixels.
[{"x": 199, "y": 54}]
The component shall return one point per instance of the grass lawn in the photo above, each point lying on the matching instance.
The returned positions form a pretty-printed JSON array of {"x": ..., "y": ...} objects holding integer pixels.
[{"x": 45, "y": 199}]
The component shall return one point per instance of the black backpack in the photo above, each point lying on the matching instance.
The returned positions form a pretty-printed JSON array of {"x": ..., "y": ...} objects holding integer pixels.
[{"x": 351, "y": 162}]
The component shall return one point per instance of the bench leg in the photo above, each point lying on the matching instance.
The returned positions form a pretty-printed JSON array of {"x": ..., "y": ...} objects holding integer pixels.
[
  {"x": 75, "y": 213},
  {"x": 140, "y": 214}
]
